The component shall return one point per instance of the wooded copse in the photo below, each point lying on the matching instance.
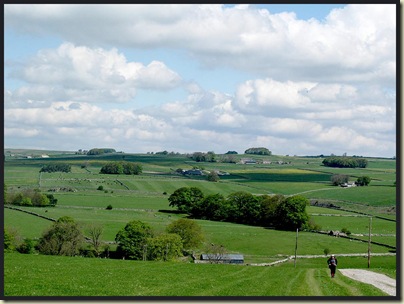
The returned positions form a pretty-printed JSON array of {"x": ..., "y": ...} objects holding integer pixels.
[
  {"x": 99, "y": 151},
  {"x": 30, "y": 198},
  {"x": 345, "y": 162},
  {"x": 58, "y": 167},
  {"x": 258, "y": 151},
  {"x": 121, "y": 167},
  {"x": 285, "y": 213}
]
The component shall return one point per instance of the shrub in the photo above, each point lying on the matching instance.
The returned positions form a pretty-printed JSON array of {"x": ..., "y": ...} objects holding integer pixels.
[
  {"x": 326, "y": 251},
  {"x": 109, "y": 207},
  {"x": 346, "y": 231},
  {"x": 363, "y": 180},
  {"x": 100, "y": 188},
  {"x": 64, "y": 237},
  {"x": 26, "y": 247}
]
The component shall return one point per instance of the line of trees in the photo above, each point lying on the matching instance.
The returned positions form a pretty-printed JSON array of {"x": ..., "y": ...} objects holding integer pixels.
[
  {"x": 99, "y": 151},
  {"x": 345, "y": 162},
  {"x": 30, "y": 198},
  {"x": 280, "y": 212},
  {"x": 210, "y": 156},
  {"x": 122, "y": 167},
  {"x": 136, "y": 241},
  {"x": 57, "y": 167}
]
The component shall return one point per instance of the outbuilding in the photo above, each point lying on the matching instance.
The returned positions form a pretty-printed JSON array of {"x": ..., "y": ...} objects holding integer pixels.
[{"x": 223, "y": 258}]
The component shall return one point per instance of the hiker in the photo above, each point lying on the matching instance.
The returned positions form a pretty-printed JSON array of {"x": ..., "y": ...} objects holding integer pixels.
[{"x": 332, "y": 264}]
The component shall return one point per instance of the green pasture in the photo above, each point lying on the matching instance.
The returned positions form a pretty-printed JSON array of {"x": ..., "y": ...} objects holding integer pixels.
[
  {"x": 370, "y": 195},
  {"x": 37, "y": 275},
  {"x": 355, "y": 224},
  {"x": 260, "y": 245}
]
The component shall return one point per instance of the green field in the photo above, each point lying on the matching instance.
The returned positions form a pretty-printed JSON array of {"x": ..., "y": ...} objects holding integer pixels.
[
  {"x": 145, "y": 198},
  {"x": 41, "y": 276}
]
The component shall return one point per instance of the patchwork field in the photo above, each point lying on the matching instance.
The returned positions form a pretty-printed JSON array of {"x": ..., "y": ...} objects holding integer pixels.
[{"x": 145, "y": 197}]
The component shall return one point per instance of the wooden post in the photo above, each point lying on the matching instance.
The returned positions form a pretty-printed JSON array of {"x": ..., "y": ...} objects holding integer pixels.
[
  {"x": 370, "y": 233},
  {"x": 297, "y": 232}
]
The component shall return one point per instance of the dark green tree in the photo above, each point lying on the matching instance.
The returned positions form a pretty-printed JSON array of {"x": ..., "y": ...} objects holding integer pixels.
[
  {"x": 185, "y": 198},
  {"x": 268, "y": 206},
  {"x": 363, "y": 181},
  {"x": 212, "y": 207},
  {"x": 132, "y": 239},
  {"x": 189, "y": 230},
  {"x": 245, "y": 207},
  {"x": 291, "y": 213}
]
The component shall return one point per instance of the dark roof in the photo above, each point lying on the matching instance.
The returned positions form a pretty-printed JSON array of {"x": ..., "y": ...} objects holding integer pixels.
[{"x": 223, "y": 256}]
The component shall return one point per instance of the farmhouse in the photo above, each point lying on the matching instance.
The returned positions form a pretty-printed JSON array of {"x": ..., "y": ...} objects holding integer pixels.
[
  {"x": 247, "y": 161},
  {"x": 193, "y": 172},
  {"x": 223, "y": 258},
  {"x": 348, "y": 185}
]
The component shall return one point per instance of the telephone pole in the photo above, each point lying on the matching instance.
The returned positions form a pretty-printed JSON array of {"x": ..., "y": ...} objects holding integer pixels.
[
  {"x": 297, "y": 232},
  {"x": 370, "y": 233}
]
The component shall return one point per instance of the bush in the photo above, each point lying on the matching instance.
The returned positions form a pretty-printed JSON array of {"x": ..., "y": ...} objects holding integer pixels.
[
  {"x": 189, "y": 230},
  {"x": 100, "y": 188},
  {"x": 64, "y": 237},
  {"x": 109, "y": 207},
  {"x": 132, "y": 240},
  {"x": 26, "y": 247},
  {"x": 326, "y": 251},
  {"x": 363, "y": 181},
  {"x": 346, "y": 231}
]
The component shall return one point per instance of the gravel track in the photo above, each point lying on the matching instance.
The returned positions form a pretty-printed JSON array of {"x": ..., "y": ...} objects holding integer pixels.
[{"x": 381, "y": 281}]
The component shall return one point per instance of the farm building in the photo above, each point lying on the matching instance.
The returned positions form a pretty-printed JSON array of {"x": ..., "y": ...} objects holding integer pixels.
[
  {"x": 193, "y": 172},
  {"x": 223, "y": 258}
]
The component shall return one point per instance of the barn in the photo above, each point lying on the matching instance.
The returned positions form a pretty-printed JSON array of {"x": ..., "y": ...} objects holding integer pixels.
[{"x": 223, "y": 258}]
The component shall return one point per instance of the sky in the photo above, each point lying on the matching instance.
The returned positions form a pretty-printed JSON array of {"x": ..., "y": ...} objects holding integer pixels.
[{"x": 304, "y": 79}]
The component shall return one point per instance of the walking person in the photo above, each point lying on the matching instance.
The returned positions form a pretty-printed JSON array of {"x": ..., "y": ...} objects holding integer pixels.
[{"x": 332, "y": 264}]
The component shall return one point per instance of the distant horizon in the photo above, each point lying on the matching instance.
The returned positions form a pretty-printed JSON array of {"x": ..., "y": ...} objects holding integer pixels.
[{"x": 184, "y": 153}]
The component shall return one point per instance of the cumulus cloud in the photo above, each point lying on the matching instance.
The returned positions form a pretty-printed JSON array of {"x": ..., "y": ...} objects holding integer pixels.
[
  {"x": 220, "y": 35},
  {"x": 90, "y": 75},
  {"x": 310, "y": 87}
]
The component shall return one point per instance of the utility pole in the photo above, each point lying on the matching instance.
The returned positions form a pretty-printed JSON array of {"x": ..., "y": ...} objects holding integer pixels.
[
  {"x": 370, "y": 233},
  {"x": 297, "y": 232}
]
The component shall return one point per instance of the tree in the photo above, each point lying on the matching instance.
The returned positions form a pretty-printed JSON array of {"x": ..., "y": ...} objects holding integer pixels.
[
  {"x": 245, "y": 207},
  {"x": 164, "y": 247},
  {"x": 212, "y": 207},
  {"x": 185, "y": 198},
  {"x": 64, "y": 237},
  {"x": 95, "y": 231},
  {"x": 363, "y": 180},
  {"x": 339, "y": 179},
  {"x": 213, "y": 176},
  {"x": 291, "y": 213},
  {"x": 215, "y": 253},
  {"x": 132, "y": 239},
  {"x": 268, "y": 207},
  {"x": 190, "y": 232}
]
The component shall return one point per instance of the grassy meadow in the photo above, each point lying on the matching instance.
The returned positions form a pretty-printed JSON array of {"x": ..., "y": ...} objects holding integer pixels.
[{"x": 145, "y": 198}]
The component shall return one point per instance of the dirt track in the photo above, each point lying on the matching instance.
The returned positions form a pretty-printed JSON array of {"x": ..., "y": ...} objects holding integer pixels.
[{"x": 381, "y": 281}]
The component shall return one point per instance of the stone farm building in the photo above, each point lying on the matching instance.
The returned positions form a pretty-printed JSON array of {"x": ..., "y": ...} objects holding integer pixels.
[{"x": 222, "y": 258}]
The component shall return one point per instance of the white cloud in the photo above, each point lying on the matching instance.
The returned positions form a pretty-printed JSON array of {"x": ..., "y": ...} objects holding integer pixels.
[
  {"x": 220, "y": 35},
  {"x": 90, "y": 75}
]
